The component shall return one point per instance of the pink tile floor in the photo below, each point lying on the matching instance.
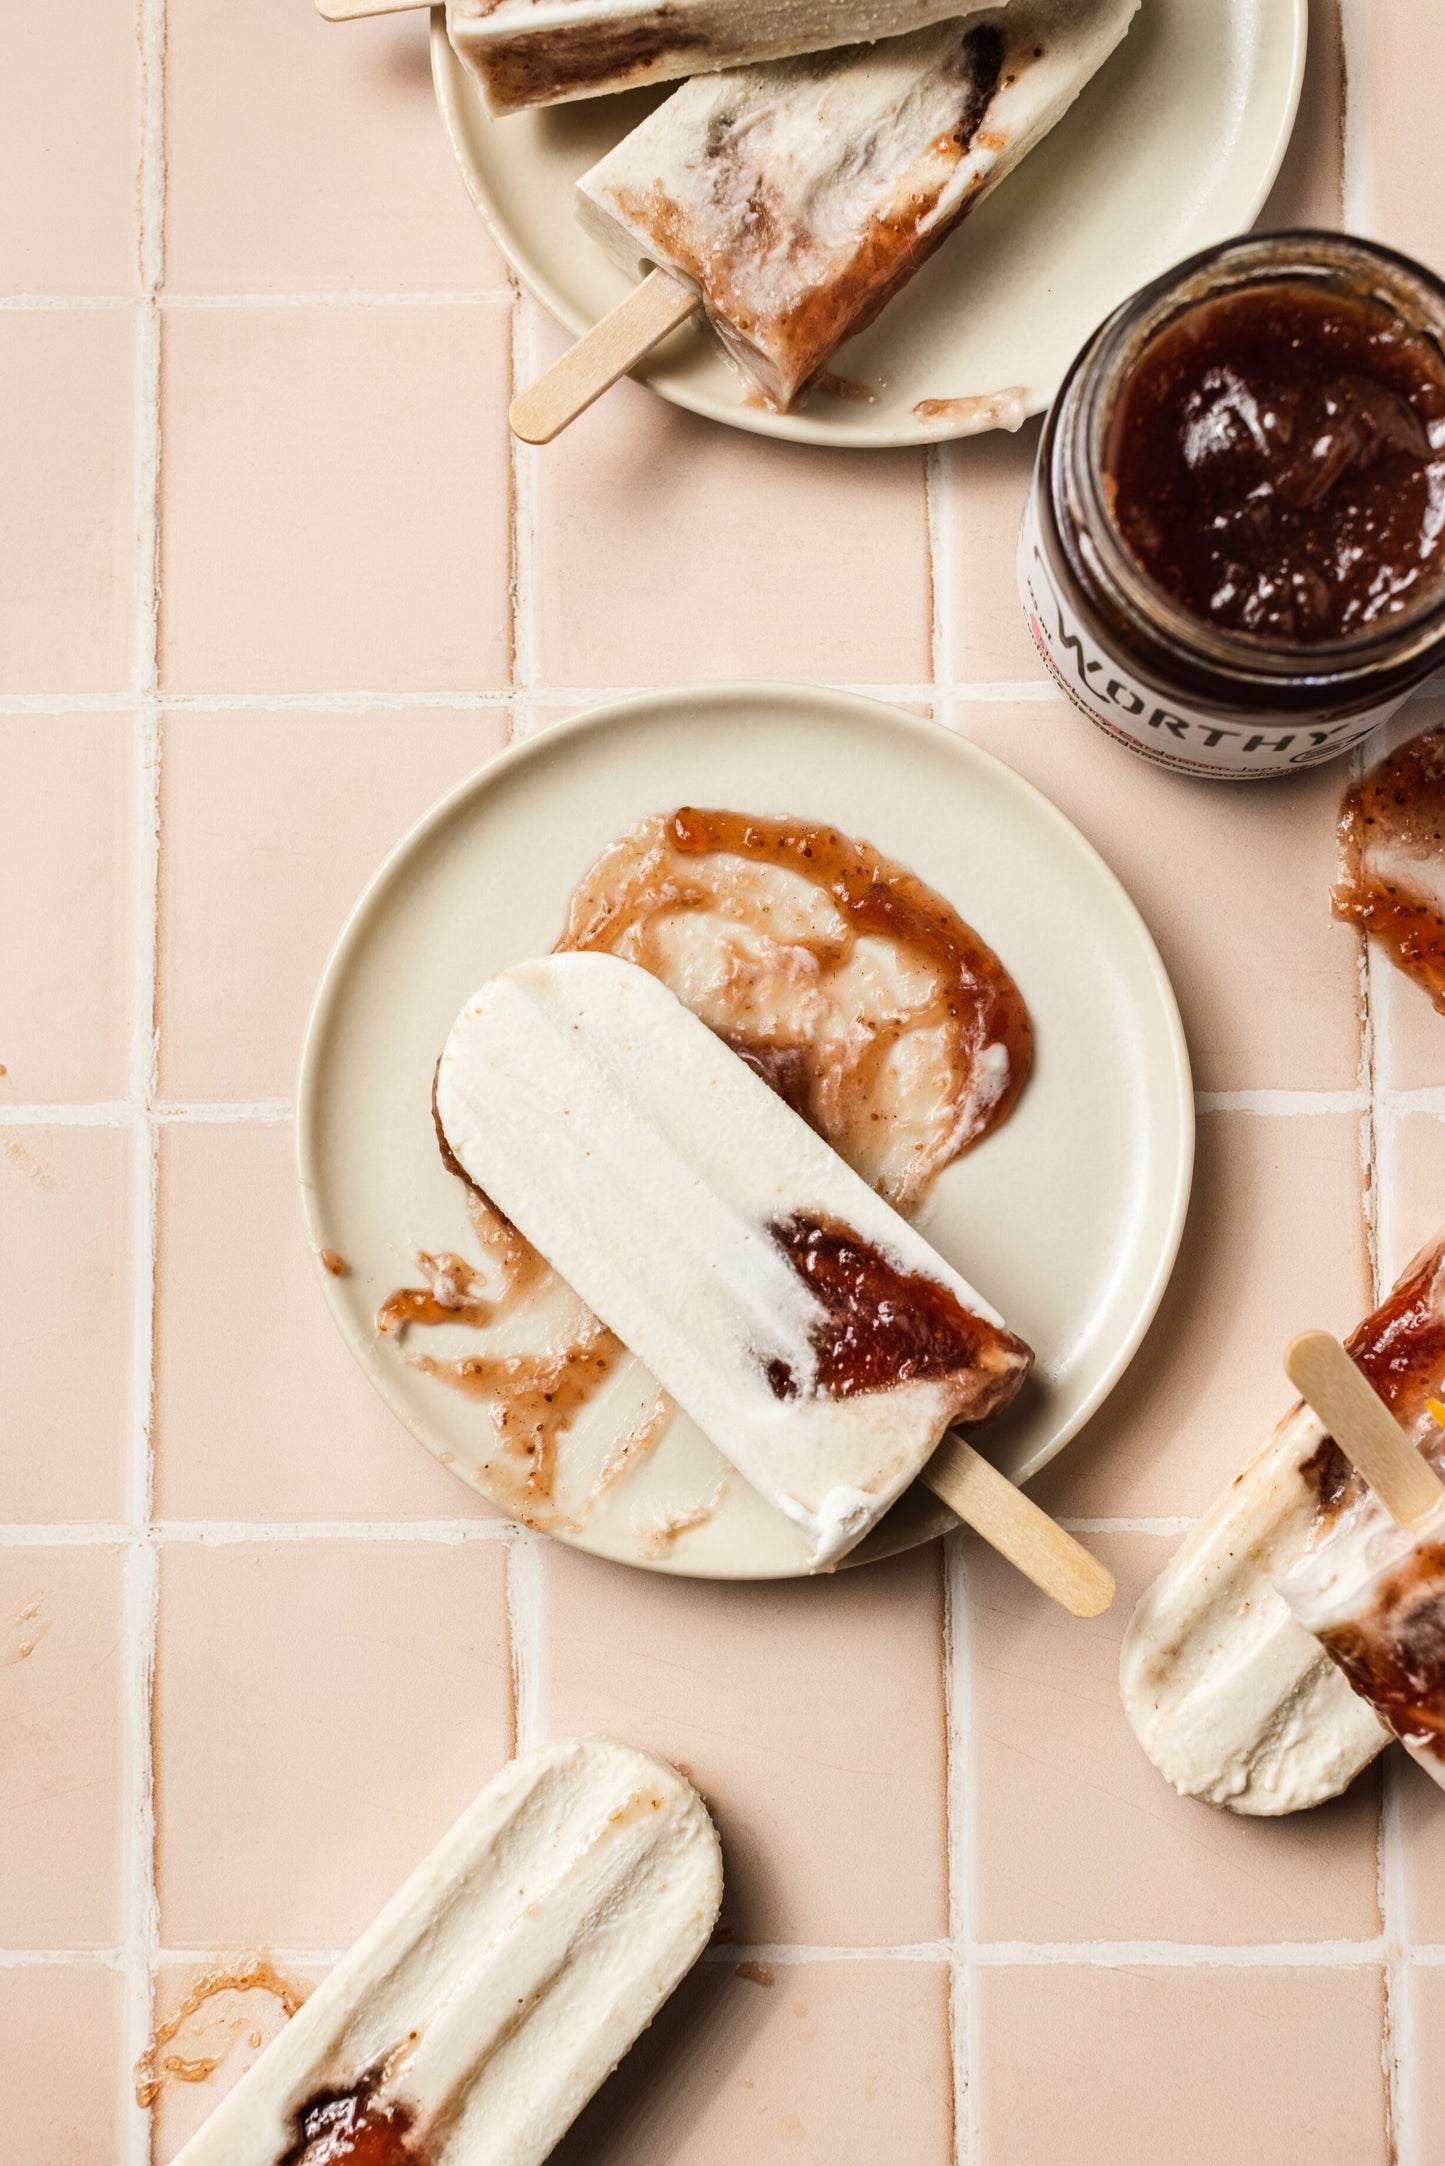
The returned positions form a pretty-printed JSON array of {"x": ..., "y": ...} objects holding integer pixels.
[{"x": 273, "y": 578}]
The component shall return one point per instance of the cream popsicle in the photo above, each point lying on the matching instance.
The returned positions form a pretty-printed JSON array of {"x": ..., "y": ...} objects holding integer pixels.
[
  {"x": 799, "y": 196},
  {"x": 474, "y": 2019},
  {"x": 810, "y": 1332},
  {"x": 542, "y": 52},
  {"x": 1232, "y": 1699}
]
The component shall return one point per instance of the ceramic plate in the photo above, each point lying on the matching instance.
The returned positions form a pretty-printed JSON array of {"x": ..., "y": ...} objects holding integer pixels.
[
  {"x": 1067, "y": 1217},
  {"x": 1173, "y": 145}
]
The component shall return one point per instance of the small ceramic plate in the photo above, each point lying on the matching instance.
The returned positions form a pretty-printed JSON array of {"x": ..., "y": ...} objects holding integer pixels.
[
  {"x": 1172, "y": 146},
  {"x": 1067, "y": 1217}
]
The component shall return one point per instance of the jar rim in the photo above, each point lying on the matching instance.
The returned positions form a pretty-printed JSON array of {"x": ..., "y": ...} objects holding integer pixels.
[{"x": 1413, "y": 294}]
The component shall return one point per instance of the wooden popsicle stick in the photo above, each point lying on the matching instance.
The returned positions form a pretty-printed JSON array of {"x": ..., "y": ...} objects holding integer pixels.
[
  {"x": 1362, "y": 1425},
  {"x": 601, "y": 356},
  {"x": 998, "y": 1510},
  {"x": 352, "y": 11}
]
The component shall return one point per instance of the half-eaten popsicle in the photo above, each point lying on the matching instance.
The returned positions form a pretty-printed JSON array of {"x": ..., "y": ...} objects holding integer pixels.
[
  {"x": 793, "y": 200},
  {"x": 1230, "y": 1697},
  {"x": 542, "y": 52},
  {"x": 1372, "y": 1589},
  {"x": 805, "y": 1326},
  {"x": 475, "y": 2018}
]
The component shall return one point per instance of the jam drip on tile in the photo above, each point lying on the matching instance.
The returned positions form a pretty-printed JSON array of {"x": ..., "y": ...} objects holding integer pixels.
[
  {"x": 882, "y": 1326},
  {"x": 1392, "y": 859},
  {"x": 1276, "y": 459},
  {"x": 1395, "y": 1658},
  {"x": 354, "y": 2127}
]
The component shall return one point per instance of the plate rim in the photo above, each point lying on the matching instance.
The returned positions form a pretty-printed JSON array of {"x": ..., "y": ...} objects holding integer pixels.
[
  {"x": 450, "y": 83},
  {"x": 550, "y": 744}
]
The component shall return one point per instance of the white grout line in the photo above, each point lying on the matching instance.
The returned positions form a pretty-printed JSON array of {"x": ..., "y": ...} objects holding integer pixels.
[
  {"x": 1285, "y": 1105},
  {"x": 142, "y": 1564},
  {"x": 524, "y": 471},
  {"x": 1359, "y": 192},
  {"x": 527, "y": 1634},
  {"x": 137, "y": 1112},
  {"x": 993, "y": 1955},
  {"x": 958, "y": 1711},
  {"x": 1181, "y": 1955},
  {"x": 223, "y": 1533},
  {"x": 378, "y": 297},
  {"x": 381, "y": 297}
]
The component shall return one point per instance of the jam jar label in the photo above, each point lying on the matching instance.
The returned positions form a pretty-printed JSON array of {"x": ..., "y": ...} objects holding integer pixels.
[{"x": 1148, "y": 720}]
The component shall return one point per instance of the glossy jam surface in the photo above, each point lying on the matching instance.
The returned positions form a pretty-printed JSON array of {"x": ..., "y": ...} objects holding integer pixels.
[
  {"x": 1276, "y": 463},
  {"x": 881, "y": 1326},
  {"x": 355, "y": 2127},
  {"x": 1392, "y": 859},
  {"x": 852, "y": 987}
]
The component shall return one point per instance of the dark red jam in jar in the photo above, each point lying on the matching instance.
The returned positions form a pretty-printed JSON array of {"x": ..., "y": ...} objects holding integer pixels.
[{"x": 1233, "y": 559}]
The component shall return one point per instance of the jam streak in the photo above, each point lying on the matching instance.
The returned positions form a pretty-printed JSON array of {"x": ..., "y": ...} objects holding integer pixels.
[
  {"x": 900, "y": 1066},
  {"x": 1400, "y": 1346},
  {"x": 882, "y": 1327},
  {"x": 1392, "y": 859},
  {"x": 1396, "y": 1659},
  {"x": 354, "y": 2126}
]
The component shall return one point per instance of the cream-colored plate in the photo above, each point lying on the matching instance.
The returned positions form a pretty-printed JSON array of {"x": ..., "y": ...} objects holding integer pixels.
[
  {"x": 1068, "y": 1217},
  {"x": 1172, "y": 146}
]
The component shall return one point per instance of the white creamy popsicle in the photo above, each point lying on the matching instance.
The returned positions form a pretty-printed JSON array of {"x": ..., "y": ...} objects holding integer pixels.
[
  {"x": 809, "y": 1331},
  {"x": 541, "y": 52},
  {"x": 799, "y": 196},
  {"x": 474, "y": 2019},
  {"x": 1231, "y": 1697}
]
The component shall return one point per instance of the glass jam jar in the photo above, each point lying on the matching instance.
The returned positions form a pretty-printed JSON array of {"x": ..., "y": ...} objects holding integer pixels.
[{"x": 1233, "y": 555}]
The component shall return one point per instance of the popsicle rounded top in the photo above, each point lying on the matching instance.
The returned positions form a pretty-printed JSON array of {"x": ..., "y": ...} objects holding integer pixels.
[{"x": 501, "y": 1985}]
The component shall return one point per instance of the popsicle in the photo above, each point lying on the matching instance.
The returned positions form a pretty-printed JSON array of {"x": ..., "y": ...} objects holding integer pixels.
[
  {"x": 1231, "y": 1698},
  {"x": 480, "y": 2011},
  {"x": 810, "y": 1332},
  {"x": 542, "y": 52},
  {"x": 1372, "y": 1588},
  {"x": 796, "y": 198}
]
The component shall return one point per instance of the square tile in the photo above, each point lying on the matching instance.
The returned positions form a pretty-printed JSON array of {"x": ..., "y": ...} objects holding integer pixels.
[
  {"x": 62, "y": 2053},
  {"x": 1394, "y": 121},
  {"x": 1076, "y": 1835},
  {"x": 336, "y": 498},
  {"x": 271, "y": 826},
  {"x": 261, "y": 1413},
  {"x": 1412, "y": 1187},
  {"x": 66, "y": 819},
  {"x": 307, "y": 157},
  {"x": 1310, "y": 188},
  {"x": 1234, "y": 884},
  {"x": 65, "y": 1265},
  {"x": 669, "y": 548},
  {"x": 833, "y": 2064},
  {"x": 230, "y": 2029},
  {"x": 1128, "y": 2067},
  {"x": 978, "y": 591},
  {"x": 324, "y": 1712},
  {"x": 1421, "y": 1814},
  {"x": 1274, "y": 1243},
  {"x": 1424, "y": 2076},
  {"x": 61, "y": 1756},
  {"x": 67, "y": 500},
  {"x": 795, "y": 1706},
  {"x": 69, "y": 148}
]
